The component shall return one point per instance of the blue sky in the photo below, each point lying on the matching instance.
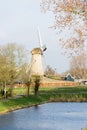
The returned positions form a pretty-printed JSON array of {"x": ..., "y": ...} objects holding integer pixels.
[{"x": 18, "y": 24}]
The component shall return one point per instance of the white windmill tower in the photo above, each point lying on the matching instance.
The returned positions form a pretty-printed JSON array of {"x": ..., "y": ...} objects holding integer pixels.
[{"x": 36, "y": 59}]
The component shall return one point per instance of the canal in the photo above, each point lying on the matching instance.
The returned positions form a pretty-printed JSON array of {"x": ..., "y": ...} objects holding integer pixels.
[{"x": 51, "y": 116}]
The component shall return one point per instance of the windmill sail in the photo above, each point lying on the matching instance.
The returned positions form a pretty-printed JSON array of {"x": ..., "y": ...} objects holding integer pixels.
[
  {"x": 43, "y": 47},
  {"x": 39, "y": 38}
]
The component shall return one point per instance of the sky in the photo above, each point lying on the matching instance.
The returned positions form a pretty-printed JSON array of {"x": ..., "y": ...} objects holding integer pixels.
[{"x": 19, "y": 20}]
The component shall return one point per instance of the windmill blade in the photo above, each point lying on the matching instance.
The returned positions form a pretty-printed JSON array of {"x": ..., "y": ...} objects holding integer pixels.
[
  {"x": 27, "y": 67},
  {"x": 43, "y": 47},
  {"x": 39, "y": 38}
]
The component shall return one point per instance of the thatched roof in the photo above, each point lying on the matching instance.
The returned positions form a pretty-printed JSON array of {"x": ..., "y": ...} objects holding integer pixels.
[{"x": 37, "y": 51}]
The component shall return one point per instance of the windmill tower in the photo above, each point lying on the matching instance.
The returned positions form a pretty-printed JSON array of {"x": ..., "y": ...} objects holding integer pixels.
[{"x": 36, "y": 60}]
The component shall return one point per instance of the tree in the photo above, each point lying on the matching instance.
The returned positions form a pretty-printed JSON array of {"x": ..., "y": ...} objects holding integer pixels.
[
  {"x": 78, "y": 66},
  {"x": 71, "y": 6},
  {"x": 4, "y": 74},
  {"x": 49, "y": 71},
  {"x": 70, "y": 15},
  {"x": 12, "y": 59},
  {"x": 27, "y": 79},
  {"x": 36, "y": 80}
]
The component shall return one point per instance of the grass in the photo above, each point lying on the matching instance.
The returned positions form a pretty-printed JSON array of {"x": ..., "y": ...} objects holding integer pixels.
[
  {"x": 69, "y": 94},
  {"x": 17, "y": 103},
  {"x": 64, "y": 94}
]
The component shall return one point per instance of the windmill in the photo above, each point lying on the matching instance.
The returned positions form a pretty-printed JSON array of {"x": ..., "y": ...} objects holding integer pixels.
[{"x": 36, "y": 66}]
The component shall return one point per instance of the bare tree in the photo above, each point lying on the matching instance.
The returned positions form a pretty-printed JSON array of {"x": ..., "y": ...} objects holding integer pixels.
[
  {"x": 70, "y": 15},
  {"x": 78, "y": 66},
  {"x": 49, "y": 71}
]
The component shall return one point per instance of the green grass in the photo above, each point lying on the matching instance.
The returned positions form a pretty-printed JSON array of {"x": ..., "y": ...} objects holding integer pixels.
[
  {"x": 63, "y": 94},
  {"x": 13, "y": 104},
  {"x": 69, "y": 94},
  {"x": 19, "y": 91}
]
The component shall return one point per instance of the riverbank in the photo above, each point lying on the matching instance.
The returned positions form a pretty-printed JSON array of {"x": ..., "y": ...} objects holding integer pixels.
[
  {"x": 9, "y": 105},
  {"x": 69, "y": 94}
]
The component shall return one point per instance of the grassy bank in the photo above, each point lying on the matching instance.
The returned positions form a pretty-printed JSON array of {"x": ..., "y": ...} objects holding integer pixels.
[
  {"x": 17, "y": 103},
  {"x": 69, "y": 94}
]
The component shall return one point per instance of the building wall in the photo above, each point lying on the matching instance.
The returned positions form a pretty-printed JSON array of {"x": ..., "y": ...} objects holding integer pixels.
[{"x": 37, "y": 68}]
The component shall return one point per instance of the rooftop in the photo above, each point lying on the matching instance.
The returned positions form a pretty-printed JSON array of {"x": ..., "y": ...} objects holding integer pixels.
[{"x": 37, "y": 51}]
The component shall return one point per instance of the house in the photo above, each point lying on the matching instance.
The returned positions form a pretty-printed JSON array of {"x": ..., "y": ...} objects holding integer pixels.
[{"x": 69, "y": 77}]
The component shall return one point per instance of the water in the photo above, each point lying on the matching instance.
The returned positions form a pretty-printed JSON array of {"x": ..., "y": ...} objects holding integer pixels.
[{"x": 51, "y": 116}]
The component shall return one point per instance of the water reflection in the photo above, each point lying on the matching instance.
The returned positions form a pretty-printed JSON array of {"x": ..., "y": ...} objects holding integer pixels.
[{"x": 51, "y": 116}]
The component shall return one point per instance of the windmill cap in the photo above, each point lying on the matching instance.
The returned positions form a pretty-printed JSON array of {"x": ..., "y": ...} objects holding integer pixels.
[
  {"x": 37, "y": 51},
  {"x": 44, "y": 48}
]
